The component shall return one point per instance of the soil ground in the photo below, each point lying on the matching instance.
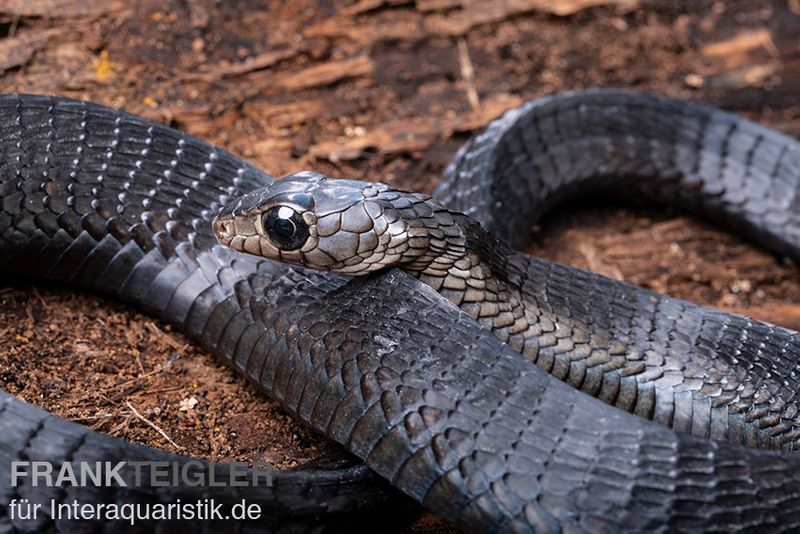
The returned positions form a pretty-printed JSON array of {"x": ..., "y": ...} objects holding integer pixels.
[{"x": 373, "y": 89}]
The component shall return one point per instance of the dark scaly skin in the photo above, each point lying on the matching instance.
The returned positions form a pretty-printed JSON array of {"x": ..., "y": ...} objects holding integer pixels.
[
  {"x": 428, "y": 398},
  {"x": 110, "y": 202},
  {"x": 699, "y": 370},
  {"x": 694, "y": 369}
]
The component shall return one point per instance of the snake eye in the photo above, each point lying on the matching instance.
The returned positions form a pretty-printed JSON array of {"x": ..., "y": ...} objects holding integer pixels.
[{"x": 285, "y": 227}]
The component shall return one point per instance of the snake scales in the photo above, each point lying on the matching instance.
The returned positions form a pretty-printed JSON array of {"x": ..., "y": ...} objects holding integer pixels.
[{"x": 389, "y": 368}]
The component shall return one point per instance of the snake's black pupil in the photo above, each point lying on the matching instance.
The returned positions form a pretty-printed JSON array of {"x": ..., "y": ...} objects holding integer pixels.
[{"x": 285, "y": 228}]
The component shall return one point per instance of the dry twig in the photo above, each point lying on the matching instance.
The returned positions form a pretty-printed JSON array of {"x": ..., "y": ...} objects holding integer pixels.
[
  {"x": 151, "y": 425},
  {"x": 468, "y": 73}
]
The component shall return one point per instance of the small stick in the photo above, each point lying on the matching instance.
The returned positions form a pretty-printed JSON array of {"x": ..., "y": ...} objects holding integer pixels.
[
  {"x": 92, "y": 417},
  {"x": 163, "y": 335},
  {"x": 133, "y": 380},
  {"x": 139, "y": 361},
  {"x": 152, "y": 425},
  {"x": 41, "y": 299},
  {"x": 153, "y": 391},
  {"x": 468, "y": 73}
]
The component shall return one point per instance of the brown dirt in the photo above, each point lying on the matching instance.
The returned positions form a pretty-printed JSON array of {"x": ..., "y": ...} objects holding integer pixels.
[
  {"x": 377, "y": 89},
  {"x": 94, "y": 361}
]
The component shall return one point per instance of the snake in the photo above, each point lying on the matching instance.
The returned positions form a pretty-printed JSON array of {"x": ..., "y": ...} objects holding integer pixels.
[{"x": 499, "y": 390}]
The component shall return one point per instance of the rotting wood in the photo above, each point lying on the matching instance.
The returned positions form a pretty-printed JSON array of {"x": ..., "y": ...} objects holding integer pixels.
[
  {"x": 410, "y": 134},
  {"x": 295, "y": 113},
  {"x": 59, "y": 8},
  {"x": 17, "y": 51},
  {"x": 734, "y": 51},
  {"x": 744, "y": 76},
  {"x": 406, "y": 26},
  {"x": 252, "y": 64},
  {"x": 480, "y": 12},
  {"x": 438, "y": 5},
  {"x": 459, "y": 18},
  {"x": 561, "y": 8},
  {"x": 363, "y": 6},
  {"x": 325, "y": 73},
  {"x": 746, "y": 59}
]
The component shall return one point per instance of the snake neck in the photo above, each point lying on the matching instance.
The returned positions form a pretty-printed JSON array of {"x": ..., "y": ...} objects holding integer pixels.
[
  {"x": 483, "y": 277},
  {"x": 549, "y": 315},
  {"x": 458, "y": 266}
]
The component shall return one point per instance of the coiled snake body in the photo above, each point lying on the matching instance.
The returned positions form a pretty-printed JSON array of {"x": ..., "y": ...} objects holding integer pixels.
[{"x": 386, "y": 366}]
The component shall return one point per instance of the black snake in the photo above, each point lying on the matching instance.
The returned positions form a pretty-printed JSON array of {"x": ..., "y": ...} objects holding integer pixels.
[{"x": 388, "y": 367}]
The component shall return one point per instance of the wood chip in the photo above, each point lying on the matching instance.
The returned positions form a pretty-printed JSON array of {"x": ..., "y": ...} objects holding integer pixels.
[
  {"x": 59, "y": 8},
  {"x": 406, "y": 26},
  {"x": 745, "y": 76},
  {"x": 561, "y": 8},
  {"x": 17, "y": 51},
  {"x": 741, "y": 43},
  {"x": 409, "y": 134},
  {"x": 255, "y": 63},
  {"x": 459, "y": 18},
  {"x": 363, "y": 6},
  {"x": 326, "y": 73},
  {"x": 490, "y": 11},
  {"x": 565, "y": 8},
  {"x": 438, "y": 5},
  {"x": 740, "y": 61},
  {"x": 295, "y": 113}
]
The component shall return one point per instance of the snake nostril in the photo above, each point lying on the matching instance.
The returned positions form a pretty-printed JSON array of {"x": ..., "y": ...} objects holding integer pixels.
[{"x": 223, "y": 229}]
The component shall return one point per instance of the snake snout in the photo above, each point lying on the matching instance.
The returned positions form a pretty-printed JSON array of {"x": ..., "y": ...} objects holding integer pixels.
[{"x": 223, "y": 229}]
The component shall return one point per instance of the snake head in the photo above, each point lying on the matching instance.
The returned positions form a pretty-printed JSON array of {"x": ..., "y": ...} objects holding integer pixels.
[{"x": 347, "y": 226}]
